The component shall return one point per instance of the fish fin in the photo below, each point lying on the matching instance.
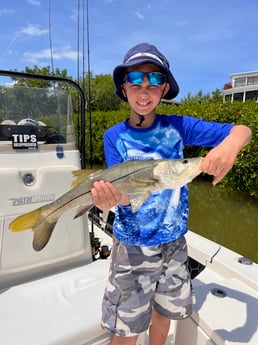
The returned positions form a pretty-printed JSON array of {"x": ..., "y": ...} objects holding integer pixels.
[
  {"x": 82, "y": 210},
  {"x": 42, "y": 233},
  {"x": 26, "y": 221},
  {"x": 81, "y": 175},
  {"x": 138, "y": 200}
]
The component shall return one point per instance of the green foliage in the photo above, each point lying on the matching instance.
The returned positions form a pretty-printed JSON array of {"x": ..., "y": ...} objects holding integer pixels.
[
  {"x": 103, "y": 97},
  {"x": 41, "y": 71},
  {"x": 100, "y": 121},
  {"x": 200, "y": 98},
  {"x": 99, "y": 92}
]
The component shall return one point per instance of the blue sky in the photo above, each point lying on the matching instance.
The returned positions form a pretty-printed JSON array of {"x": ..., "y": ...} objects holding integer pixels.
[{"x": 204, "y": 40}]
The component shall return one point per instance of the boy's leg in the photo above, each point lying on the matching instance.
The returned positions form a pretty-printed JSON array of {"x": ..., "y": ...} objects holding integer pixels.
[
  {"x": 159, "y": 329},
  {"x": 127, "y": 302},
  {"x": 117, "y": 340},
  {"x": 173, "y": 298}
]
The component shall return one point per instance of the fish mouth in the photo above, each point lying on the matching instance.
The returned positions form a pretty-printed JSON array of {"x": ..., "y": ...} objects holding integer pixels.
[
  {"x": 199, "y": 163},
  {"x": 196, "y": 169}
]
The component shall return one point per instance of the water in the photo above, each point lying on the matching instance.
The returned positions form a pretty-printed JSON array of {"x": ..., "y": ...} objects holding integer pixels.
[{"x": 226, "y": 217}]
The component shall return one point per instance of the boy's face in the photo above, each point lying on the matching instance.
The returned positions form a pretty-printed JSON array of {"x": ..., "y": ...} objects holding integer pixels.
[{"x": 144, "y": 98}]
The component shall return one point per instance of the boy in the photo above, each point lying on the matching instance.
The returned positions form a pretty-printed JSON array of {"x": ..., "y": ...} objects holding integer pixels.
[{"x": 149, "y": 283}]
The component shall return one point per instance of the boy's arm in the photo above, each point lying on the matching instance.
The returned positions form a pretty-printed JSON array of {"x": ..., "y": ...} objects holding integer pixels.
[{"x": 221, "y": 158}]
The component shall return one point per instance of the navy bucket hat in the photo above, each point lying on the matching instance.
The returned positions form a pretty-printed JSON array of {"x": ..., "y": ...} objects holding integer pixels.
[{"x": 144, "y": 52}]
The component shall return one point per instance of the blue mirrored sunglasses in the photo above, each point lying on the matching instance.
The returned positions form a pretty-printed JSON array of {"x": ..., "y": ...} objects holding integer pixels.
[{"x": 137, "y": 77}]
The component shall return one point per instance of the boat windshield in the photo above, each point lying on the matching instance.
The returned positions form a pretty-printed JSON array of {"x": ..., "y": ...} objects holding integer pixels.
[{"x": 33, "y": 117}]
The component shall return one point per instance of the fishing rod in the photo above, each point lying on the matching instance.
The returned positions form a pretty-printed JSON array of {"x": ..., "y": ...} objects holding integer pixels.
[
  {"x": 89, "y": 82},
  {"x": 88, "y": 104}
]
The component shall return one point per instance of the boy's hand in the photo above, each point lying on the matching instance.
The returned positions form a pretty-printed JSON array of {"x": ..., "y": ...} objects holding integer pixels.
[
  {"x": 106, "y": 196},
  {"x": 221, "y": 158},
  {"x": 219, "y": 161}
]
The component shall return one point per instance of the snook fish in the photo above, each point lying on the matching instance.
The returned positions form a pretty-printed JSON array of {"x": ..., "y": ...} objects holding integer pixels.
[{"x": 136, "y": 178}]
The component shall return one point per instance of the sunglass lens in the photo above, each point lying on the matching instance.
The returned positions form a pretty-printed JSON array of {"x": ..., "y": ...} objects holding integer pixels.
[
  {"x": 134, "y": 77},
  {"x": 156, "y": 78}
]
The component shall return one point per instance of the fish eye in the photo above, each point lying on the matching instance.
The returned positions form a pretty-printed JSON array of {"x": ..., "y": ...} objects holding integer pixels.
[{"x": 185, "y": 161}]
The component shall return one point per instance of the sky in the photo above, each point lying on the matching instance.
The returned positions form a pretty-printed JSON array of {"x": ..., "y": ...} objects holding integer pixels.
[{"x": 204, "y": 40}]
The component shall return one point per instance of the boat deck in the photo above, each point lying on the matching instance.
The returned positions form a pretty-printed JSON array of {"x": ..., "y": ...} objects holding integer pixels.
[{"x": 64, "y": 308}]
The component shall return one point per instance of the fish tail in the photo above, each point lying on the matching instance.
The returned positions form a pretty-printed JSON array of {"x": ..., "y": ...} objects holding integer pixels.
[
  {"x": 34, "y": 220},
  {"x": 26, "y": 221},
  {"x": 42, "y": 233}
]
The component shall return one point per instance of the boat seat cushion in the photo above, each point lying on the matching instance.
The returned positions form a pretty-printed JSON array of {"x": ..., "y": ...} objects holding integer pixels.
[{"x": 57, "y": 310}]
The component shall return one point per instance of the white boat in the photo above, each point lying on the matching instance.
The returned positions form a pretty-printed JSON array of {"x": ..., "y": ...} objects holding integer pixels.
[{"x": 53, "y": 296}]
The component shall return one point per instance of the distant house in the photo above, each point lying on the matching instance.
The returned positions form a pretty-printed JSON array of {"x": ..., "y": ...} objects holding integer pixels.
[{"x": 243, "y": 87}]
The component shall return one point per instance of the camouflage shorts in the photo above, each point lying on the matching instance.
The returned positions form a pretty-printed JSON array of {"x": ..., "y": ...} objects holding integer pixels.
[{"x": 142, "y": 278}]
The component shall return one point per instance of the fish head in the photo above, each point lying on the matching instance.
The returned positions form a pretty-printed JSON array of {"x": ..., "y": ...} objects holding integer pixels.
[{"x": 175, "y": 173}]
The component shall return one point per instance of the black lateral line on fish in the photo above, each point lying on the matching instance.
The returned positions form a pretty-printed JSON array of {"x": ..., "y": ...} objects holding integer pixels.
[{"x": 133, "y": 172}]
